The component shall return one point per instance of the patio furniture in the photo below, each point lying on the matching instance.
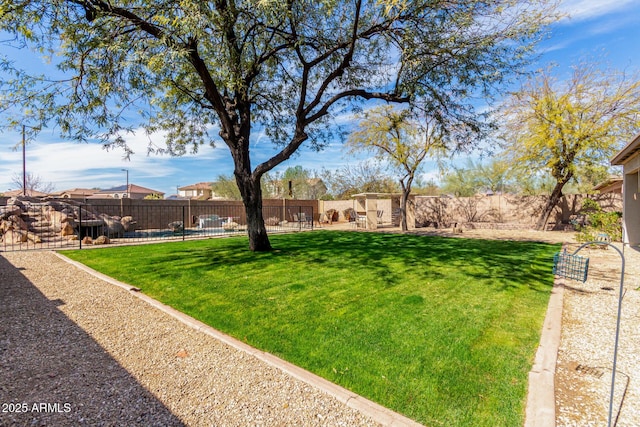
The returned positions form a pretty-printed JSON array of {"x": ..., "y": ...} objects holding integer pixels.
[{"x": 209, "y": 221}]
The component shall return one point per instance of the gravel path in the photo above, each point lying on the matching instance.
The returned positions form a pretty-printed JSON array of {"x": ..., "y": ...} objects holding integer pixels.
[
  {"x": 75, "y": 350},
  {"x": 585, "y": 357}
]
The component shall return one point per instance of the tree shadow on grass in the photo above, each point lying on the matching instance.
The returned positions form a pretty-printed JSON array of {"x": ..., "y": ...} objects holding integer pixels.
[
  {"x": 389, "y": 256},
  {"x": 518, "y": 263},
  {"x": 53, "y": 373}
]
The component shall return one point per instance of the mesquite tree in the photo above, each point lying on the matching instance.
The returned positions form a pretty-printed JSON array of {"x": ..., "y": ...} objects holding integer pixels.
[{"x": 186, "y": 70}]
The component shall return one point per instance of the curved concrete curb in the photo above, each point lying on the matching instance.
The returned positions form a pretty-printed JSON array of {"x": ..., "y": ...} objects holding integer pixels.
[
  {"x": 376, "y": 412},
  {"x": 541, "y": 398}
]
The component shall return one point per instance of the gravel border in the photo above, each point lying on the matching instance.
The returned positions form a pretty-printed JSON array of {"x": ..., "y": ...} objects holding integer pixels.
[
  {"x": 76, "y": 350},
  {"x": 585, "y": 356}
]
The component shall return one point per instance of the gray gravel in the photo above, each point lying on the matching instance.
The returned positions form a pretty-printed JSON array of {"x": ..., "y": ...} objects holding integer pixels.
[
  {"x": 75, "y": 350},
  {"x": 585, "y": 357}
]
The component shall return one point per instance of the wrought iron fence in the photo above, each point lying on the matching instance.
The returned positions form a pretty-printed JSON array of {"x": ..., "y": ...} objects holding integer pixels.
[{"x": 51, "y": 225}]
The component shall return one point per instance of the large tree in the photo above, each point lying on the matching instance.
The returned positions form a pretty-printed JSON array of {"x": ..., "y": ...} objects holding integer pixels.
[
  {"x": 400, "y": 141},
  {"x": 562, "y": 127},
  {"x": 189, "y": 67}
]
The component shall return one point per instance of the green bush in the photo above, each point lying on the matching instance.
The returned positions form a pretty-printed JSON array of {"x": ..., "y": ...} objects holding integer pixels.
[{"x": 598, "y": 222}]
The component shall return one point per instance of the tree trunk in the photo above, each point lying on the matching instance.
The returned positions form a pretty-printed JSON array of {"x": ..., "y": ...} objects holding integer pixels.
[
  {"x": 251, "y": 192},
  {"x": 404, "y": 199},
  {"x": 403, "y": 210},
  {"x": 556, "y": 194},
  {"x": 258, "y": 239}
]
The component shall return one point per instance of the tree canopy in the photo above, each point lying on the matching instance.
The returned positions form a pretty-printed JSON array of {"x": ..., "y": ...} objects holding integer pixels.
[
  {"x": 394, "y": 137},
  {"x": 495, "y": 176},
  {"x": 362, "y": 177},
  {"x": 186, "y": 70},
  {"x": 563, "y": 128}
]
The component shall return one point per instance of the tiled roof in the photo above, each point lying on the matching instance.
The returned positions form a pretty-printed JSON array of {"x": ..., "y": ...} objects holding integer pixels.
[{"x": 198, "y": 186}]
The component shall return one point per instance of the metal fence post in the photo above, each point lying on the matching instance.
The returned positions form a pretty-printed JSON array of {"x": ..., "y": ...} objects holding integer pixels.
[
  {"x": 184, "y": 223},
  {"x": 80, "y": 225}
]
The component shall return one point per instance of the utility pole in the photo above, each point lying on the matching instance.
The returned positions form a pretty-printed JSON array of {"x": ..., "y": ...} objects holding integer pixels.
[
  {"x": 127, "y": 190},
  {"x": 24, "y": 158}
]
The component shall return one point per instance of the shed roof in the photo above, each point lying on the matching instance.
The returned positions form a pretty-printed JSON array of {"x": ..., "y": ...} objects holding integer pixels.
[{"x": 632, "y": 149}]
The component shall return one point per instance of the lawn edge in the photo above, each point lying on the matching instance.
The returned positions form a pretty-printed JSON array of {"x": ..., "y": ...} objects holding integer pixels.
[
  {"x": 541, "y": 399},
  {"x": 375, "y": 411}
]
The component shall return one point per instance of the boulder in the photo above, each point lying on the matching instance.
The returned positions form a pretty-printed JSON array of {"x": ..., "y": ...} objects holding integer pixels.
[
  {"x": 7, "y": 211},
  {"x": 272, "y": 221},
  {"x": 176, "y": 226},
  {"x": 87, "y": 240},
  {"x": 113, "y": 227},
  {"x": 18, "y": 223},
  {"x": 56, "y": 219},
  {"x": 101, "y": 240},
  {"x": 5, "y": 225},
  {"x": 12, "y": 237},
  {"x": 33, "y": 237},
  {"x": 128, "y": 223},
  {"x": 230, "y": 226},
  {"x": 67, "y": 230}
]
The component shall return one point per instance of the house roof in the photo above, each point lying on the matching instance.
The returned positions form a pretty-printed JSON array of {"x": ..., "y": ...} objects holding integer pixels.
[
  {"x": 613, "y": 184},
  {"x": 30, "y": 193},
  {"x": 627, "y": 152},
  {"x": 78, "y": 191},
  {"x": 132, "y": 189},
  {"x": 198, "y": 186}
]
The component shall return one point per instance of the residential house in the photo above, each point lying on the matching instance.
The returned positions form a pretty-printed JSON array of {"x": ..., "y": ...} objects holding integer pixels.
[
  {"x": 629, "y": 159},
  {"x": 123, "y": 192},
  {"x": 199, "y": 191},
  {"x": 76, "y": 193}
]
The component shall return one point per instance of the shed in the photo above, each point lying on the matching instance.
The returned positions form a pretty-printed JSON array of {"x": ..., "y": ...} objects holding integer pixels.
[{"x": 368, "y": 207}]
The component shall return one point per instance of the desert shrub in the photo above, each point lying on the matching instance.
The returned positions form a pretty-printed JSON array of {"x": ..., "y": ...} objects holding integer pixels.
[{"x": 598, "y": 222}]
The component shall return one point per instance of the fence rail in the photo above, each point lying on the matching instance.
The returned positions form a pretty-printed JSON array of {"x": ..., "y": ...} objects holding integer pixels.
[{"x": 51, "y": 225}]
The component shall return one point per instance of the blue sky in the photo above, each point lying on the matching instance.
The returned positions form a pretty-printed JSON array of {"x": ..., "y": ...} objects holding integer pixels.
[{"x": 606, "y": 30}]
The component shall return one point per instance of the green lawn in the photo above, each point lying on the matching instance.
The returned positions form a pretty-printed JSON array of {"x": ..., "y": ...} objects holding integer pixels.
[{"x": 441, "y": 330}]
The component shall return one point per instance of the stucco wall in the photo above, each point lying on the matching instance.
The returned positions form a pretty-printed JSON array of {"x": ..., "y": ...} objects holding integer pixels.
[
  {"x": 508, "y": 209},
  {"x": 631, "y": 193}
]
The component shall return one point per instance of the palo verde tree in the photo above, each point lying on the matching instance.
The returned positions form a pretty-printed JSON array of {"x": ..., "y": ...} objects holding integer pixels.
[
  {"x": 559, "y": 128},
  {"x": 185, "y": 70},
  {"x": 395, "y": 138}
]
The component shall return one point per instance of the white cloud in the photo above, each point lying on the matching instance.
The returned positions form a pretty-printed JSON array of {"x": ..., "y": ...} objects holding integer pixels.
[
  {"x": 70, "y": 164},
  {"x": 580, "y": 10}
]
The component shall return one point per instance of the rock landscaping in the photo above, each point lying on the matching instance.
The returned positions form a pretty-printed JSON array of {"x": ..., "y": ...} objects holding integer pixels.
[{"x": 28, "y": 219}]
